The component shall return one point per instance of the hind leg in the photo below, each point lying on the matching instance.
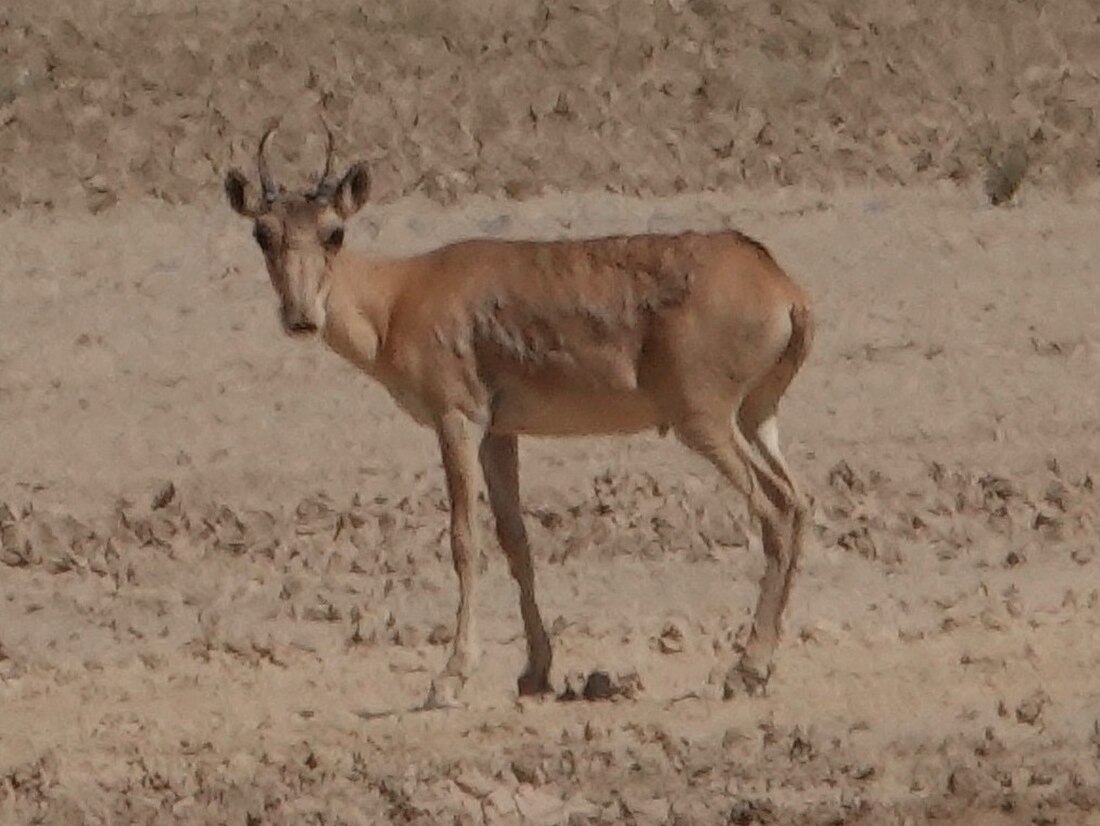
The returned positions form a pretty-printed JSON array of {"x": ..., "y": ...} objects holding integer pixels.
[
  {"x": 772, "y": 501},
  {"x": 757, "y": 425}
]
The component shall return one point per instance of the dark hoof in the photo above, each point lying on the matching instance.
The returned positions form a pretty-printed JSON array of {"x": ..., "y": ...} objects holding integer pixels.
[{"x": 533, "y": 685}]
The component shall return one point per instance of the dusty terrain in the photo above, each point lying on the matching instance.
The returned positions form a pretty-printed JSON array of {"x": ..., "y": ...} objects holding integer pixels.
[
  {"x": 224, "y": 578},
  {"x": 253, "y": 645}
]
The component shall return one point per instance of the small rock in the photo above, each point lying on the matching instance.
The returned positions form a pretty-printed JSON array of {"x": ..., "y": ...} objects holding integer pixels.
[
  {"x": 500, "y": 807},
  {"x": 842, "y": 477},
  {"x": 750, "y": 812},
  {"x": 630, "y": 685},
  {"x": 1081, "y": 556},
  {"x": 671, "y": 640},
  {"x": 863, "y": 771},
  {"x": 408, "y": 636},
  {"x": 1057, "y": 494},
  {"x": 440, "y": 635},
  {"x": 476, "y": 783},
  {"x": 822, "y": 632},
  {"x": 732, "y": 738},
  {"x": 992, "y": 620},
  {"x": 537, "y": 807},
  {"x": 526, "y": 770},
  {"x": 968, "y": 783},
  {"x": 692, "y": 811},
  {"x": 164, "y": 496},
  {"x": 582, "y": 811},
  {"x": 1005, "y": 174},
  {"x": 654, "y": 812},
  {"x": 996, "y": 487},
  {"x": 802, "y": 749},
  {"x": 598, "y": 686},
  {"x": 1030, "y": 709}
]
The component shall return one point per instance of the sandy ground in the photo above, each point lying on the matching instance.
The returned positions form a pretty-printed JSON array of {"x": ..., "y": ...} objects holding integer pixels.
[
  {"x": 249, "y": 645},
  {"x": 224, "y": 576}
]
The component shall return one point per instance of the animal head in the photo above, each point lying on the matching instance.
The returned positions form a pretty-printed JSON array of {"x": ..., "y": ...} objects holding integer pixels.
[{"x": 299, "y": 233}]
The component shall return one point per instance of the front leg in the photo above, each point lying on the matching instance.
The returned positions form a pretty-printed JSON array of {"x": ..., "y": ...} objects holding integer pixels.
[
  {"x": 458, "y": 440},
  {"x": 500, "y": 464}
]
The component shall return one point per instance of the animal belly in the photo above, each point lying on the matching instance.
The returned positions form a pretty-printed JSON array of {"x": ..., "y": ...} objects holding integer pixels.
[{"x": 572, "y": 412}]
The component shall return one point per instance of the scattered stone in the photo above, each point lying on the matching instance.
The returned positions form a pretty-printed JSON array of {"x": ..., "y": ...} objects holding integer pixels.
[
  {"x": 671, "y": 640},
  {"x": 527, "y": 770},
  {"x": 476, "y": 783},
  {"x": 751, "y": 813},
  {"x": 648, "y": 812},
  {"x": 440, "y": 635},
  {"x": 599, "y": 686},
  {"x": 500, "y": 807},
  {"x": 164, "y": 496},
  {"x": 996, "y": 487},
  {"x": 859, "y": 540},
  {"x": 539, "y": 808},
  {"x": 1031, "y": 708},
  {"x": 970, "y": 783},
  {"x": 1081, "y": 556},
  {"x": 842, "y": 477},
  {"x": 802, "y": 750}
]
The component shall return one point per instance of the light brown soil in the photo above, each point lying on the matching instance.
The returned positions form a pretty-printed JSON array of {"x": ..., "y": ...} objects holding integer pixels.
[
  {"x": 254, "y": 647},
  {"x": 224, "y": 576}
]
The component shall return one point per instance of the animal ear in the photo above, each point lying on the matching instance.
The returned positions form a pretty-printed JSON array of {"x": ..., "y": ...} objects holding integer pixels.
[
  {"x": 352, "y": 192},
  {"x": 242, "y": 196}
]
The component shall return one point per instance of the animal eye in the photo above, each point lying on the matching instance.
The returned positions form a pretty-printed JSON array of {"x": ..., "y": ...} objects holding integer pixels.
[
  {"x": 263, "y": 236},
  {"x": 334, "y": 239}
]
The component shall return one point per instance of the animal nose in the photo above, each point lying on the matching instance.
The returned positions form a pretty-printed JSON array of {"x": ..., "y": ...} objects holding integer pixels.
[{"x": 297, "y": 323}]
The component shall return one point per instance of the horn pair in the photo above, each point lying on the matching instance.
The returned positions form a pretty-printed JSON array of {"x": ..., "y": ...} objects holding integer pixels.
[{"x": 270, "y": 189}]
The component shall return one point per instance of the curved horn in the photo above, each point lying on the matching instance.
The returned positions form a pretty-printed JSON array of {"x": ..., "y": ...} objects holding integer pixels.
[
  {"x": 271, "y": 191},
  {"x": 326, "y": 181}
]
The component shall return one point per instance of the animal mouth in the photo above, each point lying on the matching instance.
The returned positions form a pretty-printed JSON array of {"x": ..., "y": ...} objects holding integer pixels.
[{"x": 301, "y": 329}]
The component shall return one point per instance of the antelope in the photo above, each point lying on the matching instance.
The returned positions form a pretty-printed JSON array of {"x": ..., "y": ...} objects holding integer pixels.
[{"x": 488, "y": 340}]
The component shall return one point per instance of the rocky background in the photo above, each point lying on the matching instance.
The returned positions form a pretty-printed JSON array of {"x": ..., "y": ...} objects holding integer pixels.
[{"x": 106, "y": 101}]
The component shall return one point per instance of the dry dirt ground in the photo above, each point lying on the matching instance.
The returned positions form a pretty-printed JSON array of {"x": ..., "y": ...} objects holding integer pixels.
[
  {"x": 224, "y": 578},
  {"x": 249, "y": 646}
]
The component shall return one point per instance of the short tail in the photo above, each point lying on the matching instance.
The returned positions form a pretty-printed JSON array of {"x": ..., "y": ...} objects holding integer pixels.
[
  {"x": 796, "y": 353},
  {"x": 799, "y": 344}
]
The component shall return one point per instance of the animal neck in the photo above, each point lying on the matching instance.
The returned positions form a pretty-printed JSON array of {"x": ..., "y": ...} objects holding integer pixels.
[{"x": 358, "y": 308}]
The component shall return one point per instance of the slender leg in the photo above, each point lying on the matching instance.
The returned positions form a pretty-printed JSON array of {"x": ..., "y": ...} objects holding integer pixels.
[
  {"x": 458, "y": 440},
  {"x": 762, "y": 430},
  {"x": 500, "y": 463},
  {"x": 771, "y": 501}
]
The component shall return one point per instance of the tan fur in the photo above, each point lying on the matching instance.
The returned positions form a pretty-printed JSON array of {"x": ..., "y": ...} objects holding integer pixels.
[{"x": 487, "y": 340}]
